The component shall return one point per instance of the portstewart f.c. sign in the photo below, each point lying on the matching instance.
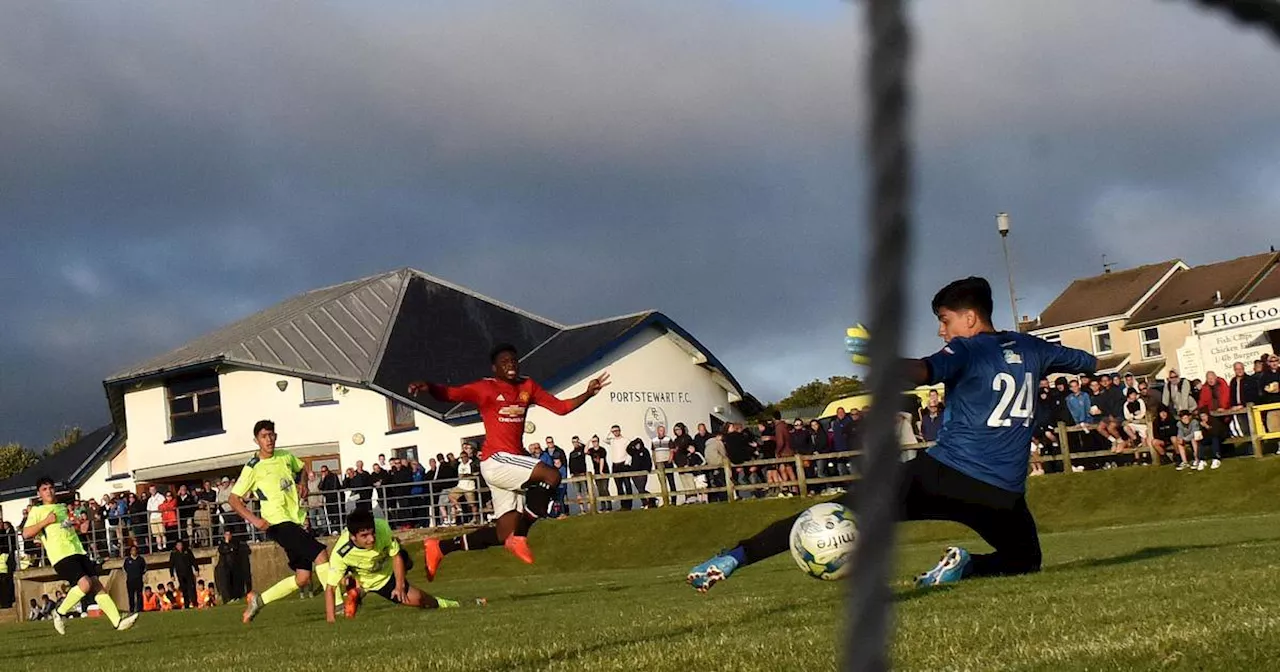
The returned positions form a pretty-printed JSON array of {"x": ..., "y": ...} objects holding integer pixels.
[
  {"x": 1241, "y": 316},
  {"x": 650, "y": 397}
]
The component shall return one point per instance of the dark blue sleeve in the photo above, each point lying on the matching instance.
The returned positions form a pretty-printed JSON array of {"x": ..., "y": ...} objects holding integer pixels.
[
  {"x": 948, "y": 362},
  {"x": 1061, "y": 359}
]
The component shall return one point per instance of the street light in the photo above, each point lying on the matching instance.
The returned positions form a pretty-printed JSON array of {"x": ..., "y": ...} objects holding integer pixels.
[{"x": 1002, "y": 225}]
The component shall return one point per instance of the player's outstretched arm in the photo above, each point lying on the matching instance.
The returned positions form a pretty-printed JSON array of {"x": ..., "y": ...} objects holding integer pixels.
[
  {"x": 329, "y": 602},
  {"x": 559, "y": 406},
  {"x": 398, "y": 571}
]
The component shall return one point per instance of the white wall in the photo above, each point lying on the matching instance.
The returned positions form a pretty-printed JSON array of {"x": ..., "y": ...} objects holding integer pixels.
[
  {"x": 11, "y": 510},
  {"x": 650, "y": 363},
  {"x": 97, "y": 485}
]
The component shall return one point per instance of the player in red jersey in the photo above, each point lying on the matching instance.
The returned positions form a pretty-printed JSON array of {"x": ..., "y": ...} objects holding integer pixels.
[{"x": 522, "y": 487}]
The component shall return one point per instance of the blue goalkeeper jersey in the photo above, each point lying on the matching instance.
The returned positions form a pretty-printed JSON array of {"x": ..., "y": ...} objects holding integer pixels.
[{"x": 991, "y": 392}]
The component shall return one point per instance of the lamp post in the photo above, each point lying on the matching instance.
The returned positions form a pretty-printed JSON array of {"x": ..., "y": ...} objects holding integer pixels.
[{"x": 1002, "y": 225}]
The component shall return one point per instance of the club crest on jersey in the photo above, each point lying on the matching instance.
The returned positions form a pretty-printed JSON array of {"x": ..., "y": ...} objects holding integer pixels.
[
  {"x": 1011, "y": 357},
  {"x": 524, "y": 396}
]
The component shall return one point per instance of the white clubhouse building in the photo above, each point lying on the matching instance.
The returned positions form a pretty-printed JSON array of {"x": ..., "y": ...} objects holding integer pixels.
[{"x": 331, "y": 368}]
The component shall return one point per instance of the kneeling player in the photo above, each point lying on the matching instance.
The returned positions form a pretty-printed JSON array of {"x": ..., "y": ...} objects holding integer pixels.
[
  {"x": 57, "y": 531},
  {"x": 369, "y": 550},
  {"x": 976, "y": 472}
]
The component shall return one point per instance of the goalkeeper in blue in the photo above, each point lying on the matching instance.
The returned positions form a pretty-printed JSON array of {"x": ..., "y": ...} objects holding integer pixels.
[{"x": 976, "y": 473}]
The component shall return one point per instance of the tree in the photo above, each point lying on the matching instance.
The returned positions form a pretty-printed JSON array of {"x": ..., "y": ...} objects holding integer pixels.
[
  {"x": 69, "y": 436},
  {"x": 820, "y": 393},
  {"x": 14, "y": 458}
]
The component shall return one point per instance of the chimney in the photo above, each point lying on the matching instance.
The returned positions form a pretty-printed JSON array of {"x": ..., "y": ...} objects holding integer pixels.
[{"x": 1217, "y": 298}]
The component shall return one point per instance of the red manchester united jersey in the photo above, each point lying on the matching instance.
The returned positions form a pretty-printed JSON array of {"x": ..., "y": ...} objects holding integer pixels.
[{"x": 503, "y": 407}]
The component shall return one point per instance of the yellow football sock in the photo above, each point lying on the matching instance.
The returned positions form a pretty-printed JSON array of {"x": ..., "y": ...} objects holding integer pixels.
[
  {"x": 281, "y": 590},
  {"x": 108, "y": 607},
  {"x": 71, "y": 600}
]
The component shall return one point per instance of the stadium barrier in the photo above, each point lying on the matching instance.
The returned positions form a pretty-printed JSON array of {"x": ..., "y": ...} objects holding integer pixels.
[{"x": 441, "y": 504}]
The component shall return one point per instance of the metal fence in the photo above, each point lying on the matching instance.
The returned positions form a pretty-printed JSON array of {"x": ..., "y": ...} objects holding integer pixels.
[{"x": 454, "y": 503}]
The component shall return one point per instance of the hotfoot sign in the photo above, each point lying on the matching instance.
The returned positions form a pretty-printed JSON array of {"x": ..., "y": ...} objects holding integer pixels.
[{"x": 1224, "y": 337}]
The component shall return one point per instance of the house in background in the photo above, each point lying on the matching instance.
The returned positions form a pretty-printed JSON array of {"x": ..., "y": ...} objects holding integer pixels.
[
  {"x": 331, "y": 367},
  {"x": 1148, "y": 320}
]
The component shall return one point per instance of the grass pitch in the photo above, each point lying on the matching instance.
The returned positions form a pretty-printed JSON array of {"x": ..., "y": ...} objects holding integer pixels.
[{"x": 1125, "y": 587}]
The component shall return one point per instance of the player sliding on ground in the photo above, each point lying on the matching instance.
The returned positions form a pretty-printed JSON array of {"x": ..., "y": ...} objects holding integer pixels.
[
  {"x": 59, "y": 534},
  {"x": 522, "y": 486},
  {"x": 370, "y": 551},
  {"x": 276, "y": 476},
  {"x": 976, "y": 473}
]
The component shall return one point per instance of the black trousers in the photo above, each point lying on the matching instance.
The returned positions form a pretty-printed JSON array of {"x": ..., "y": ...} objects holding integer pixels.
[
  {"x": 930, "y": 490},
  {"x": 187, "y": 584},
  {"x": 135, "y": 596}
]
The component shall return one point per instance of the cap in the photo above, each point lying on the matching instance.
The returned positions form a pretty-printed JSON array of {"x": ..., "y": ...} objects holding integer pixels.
[{"x": 226, "y": 479}]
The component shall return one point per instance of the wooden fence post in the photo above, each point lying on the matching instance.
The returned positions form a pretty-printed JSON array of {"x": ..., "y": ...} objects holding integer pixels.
[
  {"x": 800, "y": 476},
  {"x": 730, "y": 491},
  {"x": 1064, "y": 447},
  {"x": 1253, "y": 430},
  {"x": 662, "y": 485},
  {"x": 592, "y": 491}
]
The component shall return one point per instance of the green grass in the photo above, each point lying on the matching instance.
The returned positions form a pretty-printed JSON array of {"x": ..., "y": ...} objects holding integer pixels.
[{"x": 1145, "y": 569}]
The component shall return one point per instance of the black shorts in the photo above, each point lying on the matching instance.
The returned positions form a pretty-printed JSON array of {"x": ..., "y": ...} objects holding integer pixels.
[
  {"x": 299, "y": 546},
  {"x": 75, "y": 567},
  {"x": 385, "y": 590}
]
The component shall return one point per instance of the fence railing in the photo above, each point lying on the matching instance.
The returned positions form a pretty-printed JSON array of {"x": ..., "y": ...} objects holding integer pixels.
[{"x": 442, "y": 503}]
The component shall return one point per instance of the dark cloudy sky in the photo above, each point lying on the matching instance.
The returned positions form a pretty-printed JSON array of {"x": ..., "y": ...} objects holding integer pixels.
[{"x": 167, "y": 168}]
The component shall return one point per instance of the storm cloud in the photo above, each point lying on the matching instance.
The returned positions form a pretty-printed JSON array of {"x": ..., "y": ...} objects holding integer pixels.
[{"x": 167, "y": 168}]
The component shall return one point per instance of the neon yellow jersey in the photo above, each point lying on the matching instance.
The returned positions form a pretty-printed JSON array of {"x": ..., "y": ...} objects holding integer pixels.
[
  {"x": 373, "y": 567},
  {"x": 274, "y": 480},
  {"x": 60, "y": 539}
]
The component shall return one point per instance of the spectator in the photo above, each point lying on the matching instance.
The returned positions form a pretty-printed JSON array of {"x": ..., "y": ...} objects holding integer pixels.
[
  {"x": 660, "y": 448},
  {"x": 691, "y": 481},
  {"x": 1269, "y": 393},
  {"x": 931, "y": 416},
  {"x": 738, "y": 449},
  {"x": 135, "y": 571},
  {"x": 1177, "y": 394},
  {"x": 600, "y": 466},
  {"x": 1111, "y": 401},
  {"x": 331, "y": 490},
  {"x": 138, "y": 522},
  {"x": 815, "y": 438},
  {"x": 1135, "y": 417},
  {"x": 700, "y": 438},
  {"x": 1213, "y": 431},
  {"x": 641, "y": 460},
  {"x": 620, "y": 463},
  {"x": 463, "y": 495},
  {"x": 679, "y": 446},
  {"x": 1188, "y": 434},
  {"x": 1215, "y": 394},
  {"x": 169, "y": 518},
  {"x": 360, "y": 483},
  {"x": 578, "y": 467},
  {"x": 1079, "y": 404},
  {"x": 156, "y": 520},
  {"x": 784, "y": 450},
  {"x": 227, "y": 518},
  {"x": 419, "y": 510},
  {"x": 1163, "y": 430},
  {"x": 713, "y": 457},
  {"x": 447, "y": 479},
  {"x": 182, "y": 568},
  {"x": 1242, "y": 391},
  {"x": 204, "y": 595},
  {"x": 35, "y": 614},
  {"x": 1130, "y": 383},
  {"x": 118, "y": 521},
  {"x": 233, "y": 569}
]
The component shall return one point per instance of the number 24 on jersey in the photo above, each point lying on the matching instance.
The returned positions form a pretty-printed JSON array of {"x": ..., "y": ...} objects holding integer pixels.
[{"x": 1015, "y": 401}]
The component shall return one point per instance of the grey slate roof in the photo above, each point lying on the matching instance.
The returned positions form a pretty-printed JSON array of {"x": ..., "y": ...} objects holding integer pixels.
[
  {"x": 387, "y": 330},
  {"x": 68, "y": 467}
]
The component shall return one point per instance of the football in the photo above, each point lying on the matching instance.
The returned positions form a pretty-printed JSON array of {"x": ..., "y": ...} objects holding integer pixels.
[{"x": 822, "y": 541}]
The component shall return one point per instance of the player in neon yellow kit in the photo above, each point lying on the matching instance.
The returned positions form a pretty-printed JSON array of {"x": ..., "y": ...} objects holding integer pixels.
[
  {"x": 276, "y": 477},
  {"x": 57, "y": 531},
  {"x": 369, "y": 550}
]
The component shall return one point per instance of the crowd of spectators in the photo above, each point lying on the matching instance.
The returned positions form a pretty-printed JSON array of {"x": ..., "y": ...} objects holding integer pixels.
[{"x": 1190, "y": 423}]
